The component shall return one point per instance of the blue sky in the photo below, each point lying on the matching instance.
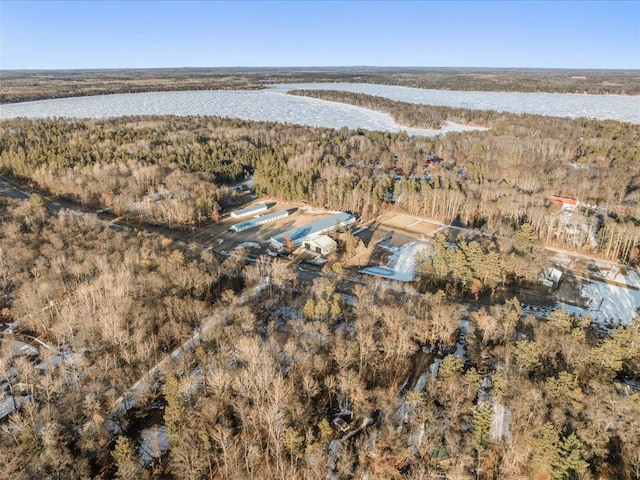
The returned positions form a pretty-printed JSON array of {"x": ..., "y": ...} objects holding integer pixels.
[{"x": 128, "y": 34}]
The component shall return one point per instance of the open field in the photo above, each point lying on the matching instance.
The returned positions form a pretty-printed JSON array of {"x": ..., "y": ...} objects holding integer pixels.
[{"x": 414, "y": 226}]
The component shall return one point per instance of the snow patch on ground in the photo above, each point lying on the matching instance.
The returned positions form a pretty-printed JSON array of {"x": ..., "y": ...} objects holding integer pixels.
[
  {"x": 500, "y": 422},
  {"x": 484, "y": 392},
  {"x": 461, "y": 344},
  {"x": 242, "y": 245},
  {"x": 607, "y": 304},
  {"x": 14, "y": 348},
  {"x": 435, "y": 366},
  {"x": 318, "y": 211},
  {"x": 54, "y": 361},
  {"x": 8, "y": 329},
  {"x": 153, "y": 443},
  {"x": 422, "y": 381},
  {"x": 401, "y": 265}
]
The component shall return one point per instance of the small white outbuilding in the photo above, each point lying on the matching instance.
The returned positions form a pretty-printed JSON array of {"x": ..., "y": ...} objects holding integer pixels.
[
  {"x": 550, "y": 277},
  {"x": 323, "y": 245}
]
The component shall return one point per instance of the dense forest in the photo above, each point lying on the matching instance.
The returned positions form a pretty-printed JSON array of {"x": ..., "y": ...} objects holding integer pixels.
[
  {"x": 174, "y": 171},
  {"x": 331, "y": 380},
  {"x": 21, "y": 86}
]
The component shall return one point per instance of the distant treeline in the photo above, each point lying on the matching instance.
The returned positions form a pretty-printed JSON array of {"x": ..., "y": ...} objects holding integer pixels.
[{"x": 21, "y": 86}]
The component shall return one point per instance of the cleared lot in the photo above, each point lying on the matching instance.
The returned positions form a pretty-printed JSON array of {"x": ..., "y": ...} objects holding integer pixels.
[
  {"x": 408, "y": 224},
  {"x": 218, "y": 236}
]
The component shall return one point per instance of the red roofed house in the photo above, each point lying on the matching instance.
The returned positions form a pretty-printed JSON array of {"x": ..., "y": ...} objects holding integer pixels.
[{"x": 564, "y": 203}]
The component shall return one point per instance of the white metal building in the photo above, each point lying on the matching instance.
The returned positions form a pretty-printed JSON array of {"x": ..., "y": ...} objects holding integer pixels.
[
  {"x": 323, "y": 244},
  {"x": 261, "y": 220},
  {"x": 253, "y": 210},
  {"x": 312, "y": 230}
]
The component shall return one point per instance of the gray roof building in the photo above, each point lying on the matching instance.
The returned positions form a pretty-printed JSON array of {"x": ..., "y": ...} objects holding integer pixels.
[{"x": 299, "y": 234}]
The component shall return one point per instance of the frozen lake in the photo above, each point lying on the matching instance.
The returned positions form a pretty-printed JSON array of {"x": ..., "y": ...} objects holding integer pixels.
[
  {"x": 613, "y": 107},
  {"x": 274, "y": 104},
  {"x": 269, "y": 105}
]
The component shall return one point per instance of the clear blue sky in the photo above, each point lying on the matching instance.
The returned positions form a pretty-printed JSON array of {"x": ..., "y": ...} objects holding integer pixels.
[{"x": 128, "y": 34}]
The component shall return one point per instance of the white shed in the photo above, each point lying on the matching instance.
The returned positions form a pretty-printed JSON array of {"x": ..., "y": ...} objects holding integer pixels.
[
  {"x": 323, "y": 244},
  {"x": 550, "y": 277}
]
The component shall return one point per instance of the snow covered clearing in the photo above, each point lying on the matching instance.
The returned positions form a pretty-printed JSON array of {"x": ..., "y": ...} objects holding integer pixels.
[
  {"x": 606, "y": 304},
  {"x": 401, "y": 265}
]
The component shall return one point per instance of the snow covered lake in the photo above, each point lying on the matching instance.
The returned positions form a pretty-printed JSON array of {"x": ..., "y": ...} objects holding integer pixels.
[
  {"x": 264, "y": 105},
  {"x": 613, "y": 107},
  {"x": 273, "y": 104}
]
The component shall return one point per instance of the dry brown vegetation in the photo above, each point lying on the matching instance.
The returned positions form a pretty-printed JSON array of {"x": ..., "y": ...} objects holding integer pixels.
[{"x": 261, "y": 395}]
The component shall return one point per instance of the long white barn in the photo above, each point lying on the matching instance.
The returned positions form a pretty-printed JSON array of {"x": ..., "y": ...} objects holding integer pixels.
[
  {"x": 261, "y": 220},
  {"x": 253, "y": 210}
]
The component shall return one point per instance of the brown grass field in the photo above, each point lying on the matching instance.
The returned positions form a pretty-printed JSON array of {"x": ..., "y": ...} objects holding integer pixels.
[{"x": 416, "y": 226}]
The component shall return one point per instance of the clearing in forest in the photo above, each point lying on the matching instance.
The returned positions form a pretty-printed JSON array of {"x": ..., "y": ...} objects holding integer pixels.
[{"x": 410, "y": 224}]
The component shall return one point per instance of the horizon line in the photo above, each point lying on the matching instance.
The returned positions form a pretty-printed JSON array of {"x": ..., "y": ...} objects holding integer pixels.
[{"x": 317, "y": 67}]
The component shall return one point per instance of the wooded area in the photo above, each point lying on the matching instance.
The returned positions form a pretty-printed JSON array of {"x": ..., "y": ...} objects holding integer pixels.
[
  {"x": 276, "y": 379},
  {"x": 173, "y": 171},
  {"x": 334, "y": 379},
  {"x": 407, "y": 114}
]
